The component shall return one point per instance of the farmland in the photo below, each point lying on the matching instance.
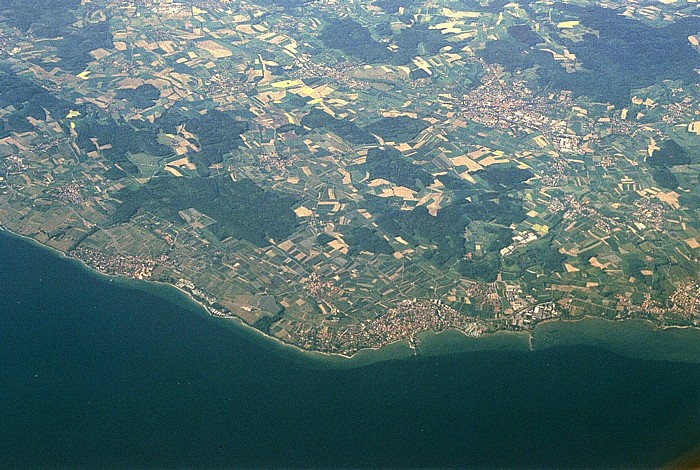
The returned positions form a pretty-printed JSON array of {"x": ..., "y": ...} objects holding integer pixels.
[{"x": 342, "y": 175}]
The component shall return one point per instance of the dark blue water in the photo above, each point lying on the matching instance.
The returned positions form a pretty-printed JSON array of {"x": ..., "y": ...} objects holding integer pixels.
[{"x": 96, "y": 374}]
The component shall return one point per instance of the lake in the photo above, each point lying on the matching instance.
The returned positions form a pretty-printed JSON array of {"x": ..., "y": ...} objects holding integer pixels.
[{"x": 100, "y": 373}]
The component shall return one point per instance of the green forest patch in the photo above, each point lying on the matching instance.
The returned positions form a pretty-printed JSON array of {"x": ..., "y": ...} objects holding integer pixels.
[{"x": 242, "y": 209}]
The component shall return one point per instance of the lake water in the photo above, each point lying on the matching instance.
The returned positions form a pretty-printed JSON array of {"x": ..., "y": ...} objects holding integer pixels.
[{"x": 96, "y": 373}]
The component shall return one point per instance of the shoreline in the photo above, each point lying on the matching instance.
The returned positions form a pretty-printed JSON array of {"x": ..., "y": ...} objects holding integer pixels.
[
  {"x": 148, "y": 285},
  {"x": 403, "y": 348},
  {"x": 585, "y": 317}
]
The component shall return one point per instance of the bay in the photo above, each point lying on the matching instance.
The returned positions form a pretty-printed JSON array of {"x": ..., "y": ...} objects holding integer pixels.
[{"x": 102, "y": 373}]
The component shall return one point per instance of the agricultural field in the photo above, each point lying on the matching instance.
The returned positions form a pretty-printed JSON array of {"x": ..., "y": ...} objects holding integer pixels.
[{"x": 345, "y": 174}]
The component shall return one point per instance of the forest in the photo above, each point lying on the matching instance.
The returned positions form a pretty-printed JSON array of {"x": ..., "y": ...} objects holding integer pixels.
[
  {"x": 392, "y": 6},
  {"x": 141, "y": 97},
  {"x": 123, "y": 138},
  {"x": 661, "y": 161},
  {"x": 343, "y": 128},
  {"x": 217, "y": 133},
  {"x": 505, "y": 178},
  {"x": 355, "y": 40},
  {"x": 389, "y": 164},
  {"x": 242, "y": 209},
  {"x": 396, "y": 129},
  {"x": 53, "y": 19},
  {"x": 446, "y": 230},
  {"x": 626, "y": 54},
  {"x": 28, "y": 99},
  {"x": 350, "y": 37},
  {"x": 361, "y": 238}
]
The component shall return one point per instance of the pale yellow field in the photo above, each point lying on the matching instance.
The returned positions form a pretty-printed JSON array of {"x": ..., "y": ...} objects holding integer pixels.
[
  {"x": 670, "y": 198},
  {"x": 570, "y": 268},
  {"x": 693, "y": 243},
  {"x": 597, "y": 264},
  {"x": 174, "y": 171},
  {"x": 466, "y": 161},
  {"x": 303, "y": 212},
  {"x": 184, "y": 162},
  {"x": 568, "y": 24},
  {"x": 215, "y": 49}
]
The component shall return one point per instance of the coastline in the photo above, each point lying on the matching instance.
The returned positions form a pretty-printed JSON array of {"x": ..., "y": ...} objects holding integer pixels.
[
  {"x": 614, "y": 335},
  {"x": 399, "y": 349},
  {"x": 636, "y": 338}
]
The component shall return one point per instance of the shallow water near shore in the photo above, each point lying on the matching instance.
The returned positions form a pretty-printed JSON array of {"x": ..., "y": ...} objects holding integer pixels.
[{"x": 99, "y": 373}]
